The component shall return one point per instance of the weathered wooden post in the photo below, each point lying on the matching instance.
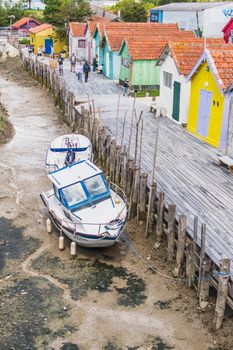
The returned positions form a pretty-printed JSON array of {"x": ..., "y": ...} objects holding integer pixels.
[
  {"x": 112, "y": 160},
  {"x": 204, "y": 283},
  {"x": 129, "y": 176},
  {"x": 182, "y": 227},
  {"x": 202, "y": 253},
  {"x": 189, "y": 263},
  {"x": 123, "y": 169},
  {"x": 150, "y": 213},
  {"x": 106, "y": 153},
  {"x": 118, "y": 164},
  {"x": 153, "y": 183},
  {"x": 141, "y": 209},
  {"x": 134, "y": 192},
  {"x": 171, "y": 229},
  {"x": 159, "y": 221},
  {"x": 223, "y": 279}
]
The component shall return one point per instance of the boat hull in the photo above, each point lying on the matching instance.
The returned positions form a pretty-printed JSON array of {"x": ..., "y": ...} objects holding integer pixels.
[{"x": 87, "y": 242}]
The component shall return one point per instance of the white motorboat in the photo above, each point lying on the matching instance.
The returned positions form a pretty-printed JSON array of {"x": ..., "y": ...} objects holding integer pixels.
[
  {"x": 66, "y": 150},
  {"x": 84, "y": 207}
]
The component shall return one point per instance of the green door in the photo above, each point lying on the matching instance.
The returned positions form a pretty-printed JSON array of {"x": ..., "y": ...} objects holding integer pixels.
[{"x": 176, "y": 101}]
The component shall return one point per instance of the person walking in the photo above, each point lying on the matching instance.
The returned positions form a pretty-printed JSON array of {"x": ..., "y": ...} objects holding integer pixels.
[
  {"x": 126, "y": 87},
  {"x": 86, "y": 70},
  {"x": 43, "y": 51},
  {"x": 72, "y": 62},
  {"x": 52, "y": 51},
  {"x": 29, "y": 50},
  {"x": 95, "y": 63},
  {"x": 79, "y": 71},
  {"x": 39, "y": 51},
  {"x": 60, "y": 64}
]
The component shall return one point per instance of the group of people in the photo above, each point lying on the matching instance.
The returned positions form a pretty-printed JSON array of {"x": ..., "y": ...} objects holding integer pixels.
[{"x": 83, "y": 68}]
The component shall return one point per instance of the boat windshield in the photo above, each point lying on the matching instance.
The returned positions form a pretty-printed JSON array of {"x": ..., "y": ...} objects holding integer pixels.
[
  {"x": 74, "y": 194},
  {"x": 95, "y": 186}
]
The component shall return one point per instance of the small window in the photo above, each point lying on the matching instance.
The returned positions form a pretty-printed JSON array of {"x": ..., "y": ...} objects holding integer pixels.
[
  {"x": 74, "y": 194},
  {"x": 167, "y": 79},
  {"x": 95, "y": 186},
  {"x": 217, "y": 104},
  {"x": 125, "y": 62},
  {"x": 82, "y": 44},
  {"x": 214, "y": 102}
]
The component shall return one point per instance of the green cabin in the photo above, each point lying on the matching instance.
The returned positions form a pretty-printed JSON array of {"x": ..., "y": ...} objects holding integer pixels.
[{"x": 138, "y": 64}]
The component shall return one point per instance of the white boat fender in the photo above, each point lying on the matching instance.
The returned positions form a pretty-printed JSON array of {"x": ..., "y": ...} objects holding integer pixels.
[
  {"x": 73, "y": 250},
  {"x": 61, "y": 243},
  {"x": 117, "y": 200},
  {"x": 49, "y": 225}
]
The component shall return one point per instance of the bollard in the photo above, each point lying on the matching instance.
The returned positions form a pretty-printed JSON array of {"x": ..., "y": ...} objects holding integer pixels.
[
  {"x": 49, "y": 225},
  {"x": 61, "y": 243},
  {"x": 73, "y": 249}
]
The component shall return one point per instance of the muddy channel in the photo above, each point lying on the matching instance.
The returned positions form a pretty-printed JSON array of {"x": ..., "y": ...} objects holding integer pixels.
[{"x": 102, "y": 299}]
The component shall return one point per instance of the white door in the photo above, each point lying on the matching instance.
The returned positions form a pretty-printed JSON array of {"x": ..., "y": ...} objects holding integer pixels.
[{"x": 107, "y": 64}]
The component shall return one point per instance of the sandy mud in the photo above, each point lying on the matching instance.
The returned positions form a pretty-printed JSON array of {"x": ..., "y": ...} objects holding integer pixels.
[{"x": 102, "y": 299}]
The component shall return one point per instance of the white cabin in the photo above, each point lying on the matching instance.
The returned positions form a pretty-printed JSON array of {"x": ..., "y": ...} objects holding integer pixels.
[{"x": 209, "y": 17}]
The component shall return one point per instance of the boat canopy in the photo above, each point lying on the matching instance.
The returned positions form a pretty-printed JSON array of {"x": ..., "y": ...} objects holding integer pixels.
[
  {"x": 73, "y": 174},
  {"x": 77, "y": 143}
]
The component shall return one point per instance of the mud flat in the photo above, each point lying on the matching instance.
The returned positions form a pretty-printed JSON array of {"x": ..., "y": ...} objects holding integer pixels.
[{"x": 103, "y": 299}]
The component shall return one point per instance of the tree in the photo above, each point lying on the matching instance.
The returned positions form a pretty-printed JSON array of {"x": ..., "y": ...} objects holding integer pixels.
[
  {"x": 7, "y": 10},
  {"x": 132, "y": 11},
  {"x": 70, "y": 11},
  {"x": 51, "y": 9}
]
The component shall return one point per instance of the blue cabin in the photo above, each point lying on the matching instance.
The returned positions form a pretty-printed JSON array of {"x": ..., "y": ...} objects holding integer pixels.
[{"x": 111, "y": 43}]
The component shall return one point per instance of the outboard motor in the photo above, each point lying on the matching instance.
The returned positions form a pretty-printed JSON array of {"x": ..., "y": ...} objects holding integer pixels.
[{"x": 70, "y": 158}]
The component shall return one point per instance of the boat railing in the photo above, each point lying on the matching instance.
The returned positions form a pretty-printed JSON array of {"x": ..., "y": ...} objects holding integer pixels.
[{"x": 100, "y": 229}]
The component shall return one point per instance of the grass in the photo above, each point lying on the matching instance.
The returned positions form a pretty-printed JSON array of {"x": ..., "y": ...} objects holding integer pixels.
[
  {"x": 2, "y": 123},
  {"x": 24, "y": 41},
  {"x": 144, "y": 93}
]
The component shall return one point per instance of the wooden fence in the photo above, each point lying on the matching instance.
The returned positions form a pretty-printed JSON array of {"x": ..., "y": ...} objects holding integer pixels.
[{"x": 190, "y": 260}]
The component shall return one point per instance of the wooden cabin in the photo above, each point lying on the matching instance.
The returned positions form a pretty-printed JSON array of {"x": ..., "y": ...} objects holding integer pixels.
[
  {"x": 211, "y": 91},
  {"x": 45, "y": 36},
  {"x": 139, "y": 57},
  {"x": 176, "y": 62},
  {"x": 77, "y": 39},
  {"x": 24, "y": 24}
]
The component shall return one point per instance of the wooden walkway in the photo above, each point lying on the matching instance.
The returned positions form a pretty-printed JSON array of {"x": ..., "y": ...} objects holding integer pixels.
[{"x": 187, "y": 171}]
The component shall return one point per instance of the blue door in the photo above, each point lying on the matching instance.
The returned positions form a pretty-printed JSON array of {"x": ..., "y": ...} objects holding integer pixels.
[
  {"x": 204, "y": 112},
  {"x": 48, "y": 43}
]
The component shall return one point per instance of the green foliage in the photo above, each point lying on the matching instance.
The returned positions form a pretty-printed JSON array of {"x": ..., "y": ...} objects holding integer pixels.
[
  {"x": 133, "y": 11},
  {"x": 51, "y": 9},
  {"x": 24, "y": 41},
  {"x": 36, "y": 14},
  {"x": 60, "y": 13},
  {"x": 147, "y": 93},
  {"x": 17, "y": 10}
]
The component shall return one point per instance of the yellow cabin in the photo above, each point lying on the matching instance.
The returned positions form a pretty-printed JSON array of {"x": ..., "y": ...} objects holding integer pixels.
[
  {"x": 45, "y": 36},
  {"x": 210, "y": 94}
]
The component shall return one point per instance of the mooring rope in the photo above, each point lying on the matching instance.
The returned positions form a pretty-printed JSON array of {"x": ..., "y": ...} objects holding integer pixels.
[{"x": 149, "y": 266}]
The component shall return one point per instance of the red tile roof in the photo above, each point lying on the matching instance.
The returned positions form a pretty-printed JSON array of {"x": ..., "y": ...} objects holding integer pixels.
[
  {"x": 187, "y": 53},
  {"x": 40, "y": 28},
  {"x": 115, "y": 33},
  {"x": 151, "y": 46},
  {"x": 77, "y": 29},
  {"x": 94, "y": 21},
  {"x": 23, "y": 21},
  {"x": 221, "y": 60}
]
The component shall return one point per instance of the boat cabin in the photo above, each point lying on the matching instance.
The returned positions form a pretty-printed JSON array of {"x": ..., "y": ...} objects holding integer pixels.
[{"x": 80, "y": 185}]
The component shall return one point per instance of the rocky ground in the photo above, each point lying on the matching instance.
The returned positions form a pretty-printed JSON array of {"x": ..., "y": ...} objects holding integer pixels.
[{"x": 103, "y": 299}]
